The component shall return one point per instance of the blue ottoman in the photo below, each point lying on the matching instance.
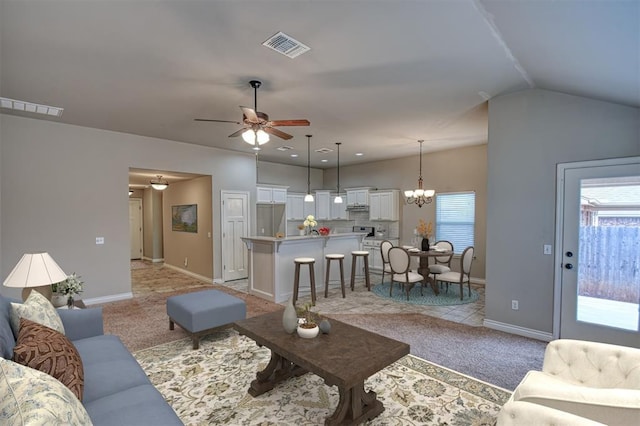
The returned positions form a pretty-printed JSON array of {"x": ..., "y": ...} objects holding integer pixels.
[{"x": 202, "y": 312}]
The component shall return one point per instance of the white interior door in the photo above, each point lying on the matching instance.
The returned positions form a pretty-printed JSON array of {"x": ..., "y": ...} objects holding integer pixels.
[
  {"x": 235, "y": 225},
  {"x": 599, "y": 260},
  {"x": 135, "y": 227}
]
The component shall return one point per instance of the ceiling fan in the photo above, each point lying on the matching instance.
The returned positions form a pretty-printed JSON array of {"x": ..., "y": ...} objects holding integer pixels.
[{"x": 256, "y": 125}]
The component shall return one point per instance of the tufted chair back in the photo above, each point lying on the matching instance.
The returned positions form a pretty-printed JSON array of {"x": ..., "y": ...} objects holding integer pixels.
[{"x": 591, "y": 364}]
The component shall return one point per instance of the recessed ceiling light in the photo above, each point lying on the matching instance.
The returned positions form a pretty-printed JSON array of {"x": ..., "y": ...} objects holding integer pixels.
[
  {"x": 284, "y": 148},
  {"x": 294, "y": 155},
  {"x": 30, "y": 107},
  {"x": 324, "y": 160},
  {"x": 324, "y": 150},
  {"x": 359, "y": 154}
]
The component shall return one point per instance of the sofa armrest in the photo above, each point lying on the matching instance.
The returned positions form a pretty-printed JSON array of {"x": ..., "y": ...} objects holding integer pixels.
[{"x": 82, "y": 323}]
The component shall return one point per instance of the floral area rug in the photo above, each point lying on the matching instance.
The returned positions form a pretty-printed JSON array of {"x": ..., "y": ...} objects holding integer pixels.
[
  {"x": 426, "y": 296},
  {"x": 209, "y": 386}
]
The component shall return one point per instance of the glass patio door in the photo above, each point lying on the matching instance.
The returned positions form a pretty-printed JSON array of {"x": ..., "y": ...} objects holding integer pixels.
[{"x": 600, "y": 251}]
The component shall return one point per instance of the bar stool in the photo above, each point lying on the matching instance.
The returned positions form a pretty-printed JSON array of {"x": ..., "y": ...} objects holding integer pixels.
[
  {"x": 354, "y": 259},
  {"x": 296, "y": 283},
  {"x": 329, "y": 258}
]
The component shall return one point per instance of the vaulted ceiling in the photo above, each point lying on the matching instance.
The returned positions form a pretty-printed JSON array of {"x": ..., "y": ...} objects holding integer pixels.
[{"x": 379, "y": 76}]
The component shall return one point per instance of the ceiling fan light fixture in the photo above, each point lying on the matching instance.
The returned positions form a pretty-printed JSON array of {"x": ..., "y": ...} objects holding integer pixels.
[
  {"x": 159, "y": 184},
  {"x": 250, "y": 136}
]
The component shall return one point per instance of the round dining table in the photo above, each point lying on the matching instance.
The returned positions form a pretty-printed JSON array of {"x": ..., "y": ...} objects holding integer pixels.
[{"x": 423, "y": 265}]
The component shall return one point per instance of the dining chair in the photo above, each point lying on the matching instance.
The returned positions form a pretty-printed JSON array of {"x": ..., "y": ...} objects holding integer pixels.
[
  {"x": 384, "y": 254},
  {"x": 464, "y": 276},
  {"x": 441, "y": 264},
  {"x": 399, "y": 261}
]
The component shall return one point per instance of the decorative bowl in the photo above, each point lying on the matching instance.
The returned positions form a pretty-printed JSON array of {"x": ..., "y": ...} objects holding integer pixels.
[{"x": 308, "y": 333}]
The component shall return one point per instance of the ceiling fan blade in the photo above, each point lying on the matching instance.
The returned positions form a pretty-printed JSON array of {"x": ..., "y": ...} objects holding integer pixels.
[
  {"x": 278, "y": 133},
  {"x": 250, "y": 113},
  {"x": 237, "y": 133},
  {"x": 216, "y": 121},
  {"x": 289, "y": 123}
]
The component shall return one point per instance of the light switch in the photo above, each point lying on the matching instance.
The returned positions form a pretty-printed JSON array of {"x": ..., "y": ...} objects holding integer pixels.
[{"x": 546, "y": 249}]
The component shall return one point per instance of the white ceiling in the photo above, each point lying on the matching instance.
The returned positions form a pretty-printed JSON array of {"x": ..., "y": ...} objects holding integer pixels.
[{"x": 379, "y": 76}]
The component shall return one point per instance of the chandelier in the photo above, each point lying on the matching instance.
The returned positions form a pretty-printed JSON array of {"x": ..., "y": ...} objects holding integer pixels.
[{"x": 419, "y": 196}]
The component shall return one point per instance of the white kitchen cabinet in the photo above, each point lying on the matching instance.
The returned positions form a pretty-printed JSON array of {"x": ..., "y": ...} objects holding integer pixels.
[
  {"x": 295, "y": 207},
  {"x": 357, "y": 197},
  {"x": 323, "y": 205},
  {"x": 375, "y": 256},
  {"x": 339, "y": 211},
  {"x": 271, "y": 195},
  {"x": 308, "y": 208},
  {"x": 384, "y": 205}
]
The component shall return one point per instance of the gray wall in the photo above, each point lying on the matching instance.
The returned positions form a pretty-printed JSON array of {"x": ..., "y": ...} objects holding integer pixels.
[
  {"x": 68, "y": 186},
  {"x": 295, "y": 177},
  {"x": 529, "y": 133}
]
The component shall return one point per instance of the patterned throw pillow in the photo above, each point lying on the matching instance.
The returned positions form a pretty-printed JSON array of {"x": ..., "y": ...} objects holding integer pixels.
[
  {"x": 36, "y": 308},
  {"x": 31, "y": 397},
  {"x": 45, "y": 349}
]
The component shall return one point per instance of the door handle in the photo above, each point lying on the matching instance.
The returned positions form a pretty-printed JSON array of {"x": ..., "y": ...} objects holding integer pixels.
[{"x": 568, "y": 266}]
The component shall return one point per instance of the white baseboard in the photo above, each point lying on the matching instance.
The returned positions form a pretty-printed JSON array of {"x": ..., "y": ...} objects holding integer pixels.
[
  {"x": 107, "y": 299},
  {"x": 218, "y": 281},
  {"x": 520, "y": 331},
  {"x": 478, "y": 281},
  {"x": 191, "y": 274},
  {"x": 153, "y": 260}
]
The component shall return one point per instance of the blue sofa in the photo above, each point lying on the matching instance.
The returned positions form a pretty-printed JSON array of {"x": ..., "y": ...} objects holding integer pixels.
[{"x": 116, "y": 389}]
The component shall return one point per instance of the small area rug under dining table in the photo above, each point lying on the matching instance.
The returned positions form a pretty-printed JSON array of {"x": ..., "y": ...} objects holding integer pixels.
[{"x": 209, "y": 386}]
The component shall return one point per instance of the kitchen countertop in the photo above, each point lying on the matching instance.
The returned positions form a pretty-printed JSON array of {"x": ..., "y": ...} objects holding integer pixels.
[{"x": 305, "y": 237}]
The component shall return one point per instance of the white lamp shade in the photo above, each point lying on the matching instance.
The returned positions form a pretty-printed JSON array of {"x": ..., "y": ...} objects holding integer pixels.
[
  {"x": 159, "y": 186},
  {"x": 429, "y": 192},
  {"x": 35, "y": 270},
  {"x": 337, "y": 200},
  {"x": 263, "y": 137},
  {"x": 308, "y": 198},
  {"x": 408, "y": 193},
  {"x": 249, "y": 136}
]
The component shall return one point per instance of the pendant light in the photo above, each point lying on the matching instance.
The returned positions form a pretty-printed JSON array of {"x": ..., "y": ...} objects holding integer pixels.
[
  {"x": 309, "y": 197},
  {"x": 159, "y": 184},
  {"x": 338, "y": 199},
  {"x": 419, "y": 196}
]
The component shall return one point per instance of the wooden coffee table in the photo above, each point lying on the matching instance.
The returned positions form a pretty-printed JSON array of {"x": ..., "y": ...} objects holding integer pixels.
[{"x": 344, "y": 358}]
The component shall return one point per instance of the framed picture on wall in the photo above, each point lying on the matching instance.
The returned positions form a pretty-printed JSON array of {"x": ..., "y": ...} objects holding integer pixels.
[{"x": 184, "y": 218}]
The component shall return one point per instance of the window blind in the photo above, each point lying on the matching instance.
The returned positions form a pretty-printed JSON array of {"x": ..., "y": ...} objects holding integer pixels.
[{"x": 455, "y": 219}]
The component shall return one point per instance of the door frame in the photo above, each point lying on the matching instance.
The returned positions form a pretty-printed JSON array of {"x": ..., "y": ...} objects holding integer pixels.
[
  {"x": 223, "y": 194},
  {"x": 139, "y": 235},
  {"x": 558, "y": 255}
]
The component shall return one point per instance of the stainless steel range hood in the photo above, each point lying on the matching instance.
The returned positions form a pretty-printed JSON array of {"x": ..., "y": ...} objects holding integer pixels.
[{"x": 358, "y": 208}]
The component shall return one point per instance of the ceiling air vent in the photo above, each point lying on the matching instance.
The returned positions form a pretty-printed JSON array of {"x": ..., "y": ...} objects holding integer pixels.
[
  {"x": 284, "y": 148},
  {"x": 288, "y": 46}
]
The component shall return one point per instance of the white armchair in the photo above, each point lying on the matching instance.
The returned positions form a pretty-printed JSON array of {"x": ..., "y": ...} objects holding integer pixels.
[{"x": 596, "y": 381}]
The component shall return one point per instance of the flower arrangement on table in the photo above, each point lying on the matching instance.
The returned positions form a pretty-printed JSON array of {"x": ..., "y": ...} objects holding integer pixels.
[
  {"x": 424, "y": 230},
  {"x": 310, "y": 223},
  {"x": 324, "y": 231},
  {"x": 69, "y": 287}
]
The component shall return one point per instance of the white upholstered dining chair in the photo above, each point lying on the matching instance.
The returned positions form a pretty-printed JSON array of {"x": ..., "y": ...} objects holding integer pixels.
[
  {"x": 384, "y": 254},
  {"x": 462, "y": 277},
  {"x": 399, "y": 261},
  {"x": 441, "y": 264}
]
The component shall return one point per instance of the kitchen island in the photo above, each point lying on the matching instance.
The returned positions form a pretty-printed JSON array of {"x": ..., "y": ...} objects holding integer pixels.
[{"x": 271, "y": 266}]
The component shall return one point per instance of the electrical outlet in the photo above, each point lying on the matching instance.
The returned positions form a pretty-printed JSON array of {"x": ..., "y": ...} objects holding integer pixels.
[
  {"x": 514, "y": 305},
  {"x": 546, "y": 249},
  {"x": 99, "y": 240}
]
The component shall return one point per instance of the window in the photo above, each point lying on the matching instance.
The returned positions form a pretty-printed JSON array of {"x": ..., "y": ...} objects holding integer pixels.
[{"x": 455, "y": 219}]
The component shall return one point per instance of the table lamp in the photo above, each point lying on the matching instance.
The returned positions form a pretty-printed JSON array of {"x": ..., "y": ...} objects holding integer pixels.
[{"x": 35, "y": 270}]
